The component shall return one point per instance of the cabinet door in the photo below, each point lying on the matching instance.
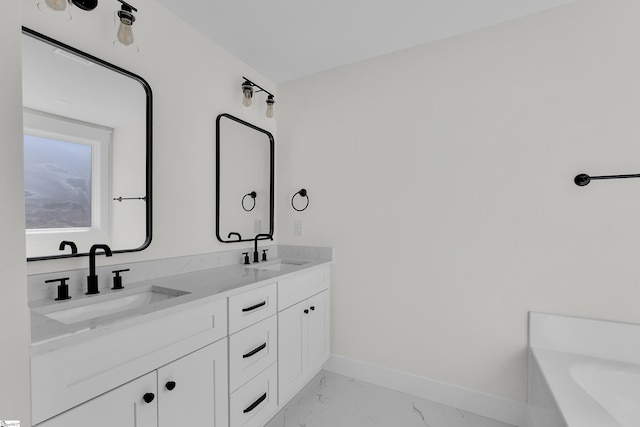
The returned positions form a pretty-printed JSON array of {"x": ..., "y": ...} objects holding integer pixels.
[
  {"x": 292, "y": 350},
  {"x": 318, "y": 331},
  {"x": 193, "y": 390},
  {"x": 124, "y": 406}
]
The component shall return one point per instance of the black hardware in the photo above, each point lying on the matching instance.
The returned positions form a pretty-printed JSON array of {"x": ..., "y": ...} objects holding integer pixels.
[
  {"x": 306, "y": 311},
  {"x": 85, "y": 4},
  {"x": 312, "y": 308},
  {"x": 117, "y": 280},
  {"x": 65, "y": 243},
  {"x": 584, "y": 179},
  {"x": 119, "y": 199},
  {"x": 264, "y": 254},
  {"x": 253, "y": 195},
  {"x": 302, "y": 193},
  {"x": 148, "y": 139},
  {"x": 63, "y": 288},
  {"x": 255, "y": 247},
  {"x": 233, "y": 233},
  {"x": 170, "y": 385},
  {"x": 246, "y": 258},
  {"x": 92, "y": 279},
  {"x": 148, "y": 397},
  {"x": 256, "y": 403},
  {"x": 271, "y": 174},
  {"x": 254, "y": 351},
  {"x": 253, "y": 307}
]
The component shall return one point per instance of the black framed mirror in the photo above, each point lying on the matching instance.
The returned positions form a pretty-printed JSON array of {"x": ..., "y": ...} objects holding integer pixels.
[
  {"x": 88, "y": 152},
  {"x": 244, "y": 180}
]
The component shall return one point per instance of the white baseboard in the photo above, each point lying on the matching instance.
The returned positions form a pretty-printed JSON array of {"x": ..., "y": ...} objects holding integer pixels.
[{"x": 497, "y": 408}]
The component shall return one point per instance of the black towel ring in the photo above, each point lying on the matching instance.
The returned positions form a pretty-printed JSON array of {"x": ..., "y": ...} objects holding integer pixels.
[
  {"x": 302, "y": 193},
  {"x": 253, "y": 195}
]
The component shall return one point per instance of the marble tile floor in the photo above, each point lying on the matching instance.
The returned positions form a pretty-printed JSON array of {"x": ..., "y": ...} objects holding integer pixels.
[{"x": 332, "y": 400}]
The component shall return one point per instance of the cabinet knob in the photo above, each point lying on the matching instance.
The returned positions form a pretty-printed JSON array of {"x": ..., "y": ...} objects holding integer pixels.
[
  {"x": 312, "y": 307},
  {"x": 148, "y": 397},
  {"x": 306, "y": 311},
  {"x": 170, "y": 385}
]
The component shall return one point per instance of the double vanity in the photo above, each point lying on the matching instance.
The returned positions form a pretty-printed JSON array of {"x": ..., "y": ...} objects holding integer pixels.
[{"x": 225, "y": 346}]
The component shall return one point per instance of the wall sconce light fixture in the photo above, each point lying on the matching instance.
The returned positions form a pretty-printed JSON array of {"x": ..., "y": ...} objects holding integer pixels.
[
  {"x": 253, "y": 195},
  {"x": 247, "y": 95},
  {"x": 125, "y": 33},
  {"x": 301, "y": 193}
]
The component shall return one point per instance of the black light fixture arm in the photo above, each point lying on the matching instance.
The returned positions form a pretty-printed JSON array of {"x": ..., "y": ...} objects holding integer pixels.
[
  {"x": 126, "y": 6},
  {"x": 255, "y": 85},
  {"x": 584, "y": 179}
]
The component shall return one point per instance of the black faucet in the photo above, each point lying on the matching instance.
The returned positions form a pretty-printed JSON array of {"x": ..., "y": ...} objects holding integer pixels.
[
  {"x": 65, "y": 243},
  {"x": 256, "y": 257},
  {"x": 92, "y": 279}
]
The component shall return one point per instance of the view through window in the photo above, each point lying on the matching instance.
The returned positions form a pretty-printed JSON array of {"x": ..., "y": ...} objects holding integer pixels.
[{"x": 57, "y": 183}]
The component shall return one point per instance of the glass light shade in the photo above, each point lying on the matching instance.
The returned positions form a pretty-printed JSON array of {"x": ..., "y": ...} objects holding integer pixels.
[
  {"x": 270, "y": 102},
  {"x": 57, "y": 4},
  {"x": 125, "y": 34},
  {"x": 246, "y": 99}
]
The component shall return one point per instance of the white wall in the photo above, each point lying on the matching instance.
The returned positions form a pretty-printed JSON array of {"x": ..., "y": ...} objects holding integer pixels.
[
  {"x": 443, "y": 176},
  {"x": 193, "y": 80},
  {"x": 14, "y": 330}
]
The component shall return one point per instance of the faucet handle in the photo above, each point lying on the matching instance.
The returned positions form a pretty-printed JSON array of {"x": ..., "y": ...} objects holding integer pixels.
[
  {"x": 264, "y": 254},
  {"x": 63, "y": 288},
  {"x": 246, "y": 258},
  {"x": 117, "y": 280}
]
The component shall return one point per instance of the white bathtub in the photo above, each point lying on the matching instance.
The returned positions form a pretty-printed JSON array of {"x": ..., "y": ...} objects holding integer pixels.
[
  {"x": 586, "y": 389},
  {"x": 583, "y": 391}
]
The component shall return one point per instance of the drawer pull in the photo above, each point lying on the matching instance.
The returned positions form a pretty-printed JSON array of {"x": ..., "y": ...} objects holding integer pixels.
[
  {"x": 255, "y": 350},
  {"x": 256, "y": 403},
  {"x": 253, "y": 307},
  {"x": 148, "y": 397}
]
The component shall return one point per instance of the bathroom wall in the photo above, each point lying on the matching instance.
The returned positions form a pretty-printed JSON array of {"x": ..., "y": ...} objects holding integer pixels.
[
  {"x": 14, "y": 331},
  {"x": 193, "y": 80},
  {"x": 443, "y": 177}
]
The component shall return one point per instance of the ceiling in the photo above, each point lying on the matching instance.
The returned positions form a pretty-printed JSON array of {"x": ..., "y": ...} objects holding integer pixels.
[{"x": 288, "y": 39}]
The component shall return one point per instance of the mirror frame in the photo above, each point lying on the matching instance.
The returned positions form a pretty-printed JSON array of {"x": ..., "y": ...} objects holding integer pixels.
[
  {"x": 271, "y": 174},
  {"x": 149, "y": 139}
]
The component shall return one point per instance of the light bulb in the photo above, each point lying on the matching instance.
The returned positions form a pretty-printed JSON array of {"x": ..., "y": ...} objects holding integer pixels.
[
  {"x": 247, "y": 93},
  {"x": 57, "y": 4},
  {"x": 125, "y": 34},
  {"x": 270, "y": 102}
]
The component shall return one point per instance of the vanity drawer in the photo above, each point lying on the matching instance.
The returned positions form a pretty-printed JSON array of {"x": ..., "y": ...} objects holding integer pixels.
[
  {"x": 253, "y": 404},
  {"x": 250, "y": 307},
  {"x": 251, "y": 351},
  {"x": 301, "y": 286}
]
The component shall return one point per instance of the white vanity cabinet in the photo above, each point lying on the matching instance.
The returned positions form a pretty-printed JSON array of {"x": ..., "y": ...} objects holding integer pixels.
[
  {"x": 193, "y": 390},
  {"x": 189, "y": 391},
  {"x": 303, "y": 330},
  {"x": 123, "y": 407},
  {"x": 68, "y": 376}
]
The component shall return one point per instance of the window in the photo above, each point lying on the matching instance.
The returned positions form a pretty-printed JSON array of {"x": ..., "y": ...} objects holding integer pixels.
[
  {"x": 65, "y": 178},
  {"x": 57, "y": 183}
]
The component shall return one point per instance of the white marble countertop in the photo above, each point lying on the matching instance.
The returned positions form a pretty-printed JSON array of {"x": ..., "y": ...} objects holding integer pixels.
[{"x": 201, "y": 286}]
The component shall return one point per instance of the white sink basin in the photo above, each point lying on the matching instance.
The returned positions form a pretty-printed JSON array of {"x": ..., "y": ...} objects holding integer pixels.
[
  {"x": 277, "y": 265},
  {"x": 120, "y": 302}
]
